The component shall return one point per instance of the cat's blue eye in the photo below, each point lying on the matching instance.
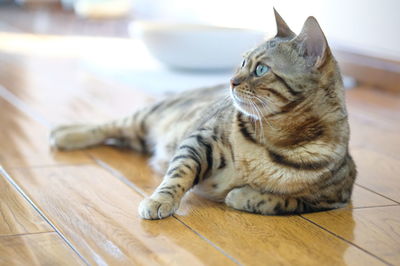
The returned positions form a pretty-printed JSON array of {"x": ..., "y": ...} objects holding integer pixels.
[{"x": 261, "y": 70}]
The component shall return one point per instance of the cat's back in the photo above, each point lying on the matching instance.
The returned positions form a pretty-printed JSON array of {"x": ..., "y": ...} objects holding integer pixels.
[{"x": 176, "y": 116}]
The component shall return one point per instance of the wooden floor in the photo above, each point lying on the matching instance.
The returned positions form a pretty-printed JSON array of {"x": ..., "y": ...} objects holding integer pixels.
[{"x": 76, "y": 208}]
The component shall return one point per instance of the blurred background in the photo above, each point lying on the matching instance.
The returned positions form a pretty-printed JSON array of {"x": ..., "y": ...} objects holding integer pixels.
[{"x": 164, "y": 45}]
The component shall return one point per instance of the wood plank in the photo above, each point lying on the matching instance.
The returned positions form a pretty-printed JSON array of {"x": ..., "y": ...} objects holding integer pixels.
[
  {"x": 284, "y": 240},
  {"x": 366, "y": 135},
  {"x": 101, "y": 219},
  {"x": 374, "y": 121},
  {"x": 17, "y": 216},
  {"x": 378, "y": 172},
  {"x": 377, "y": 230},
  {"x": 36, "y": 249},
  {"x": 278, "y": 240},
  {"x": 129, "y": 165},
  {"x": 72, "y": 93},
  {"x": 24, "y": 141},
  {"x": 363, "y": 198},
  {"x": 374, "y": 103}
]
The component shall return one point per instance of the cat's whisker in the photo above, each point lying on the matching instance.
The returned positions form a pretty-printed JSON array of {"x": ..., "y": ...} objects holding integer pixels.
[
  {"x": 255, "y": 127},
  {"x": 261, "y": 123},
  {"x": 253, "y": 119},
  {"x": 264, "y": 103},
  {"x": 269, "y": 109},
  {"x": 262, "y": 136}
]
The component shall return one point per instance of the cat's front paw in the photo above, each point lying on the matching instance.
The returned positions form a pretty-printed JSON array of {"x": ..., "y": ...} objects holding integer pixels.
[{"x": 152, "y": 209}]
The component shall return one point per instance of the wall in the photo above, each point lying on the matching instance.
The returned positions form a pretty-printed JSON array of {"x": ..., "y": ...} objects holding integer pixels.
[{"x": 371, "y": 27}]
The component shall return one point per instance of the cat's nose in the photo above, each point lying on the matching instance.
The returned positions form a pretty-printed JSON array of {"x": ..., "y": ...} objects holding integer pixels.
[{"x": 235, "y": 82}]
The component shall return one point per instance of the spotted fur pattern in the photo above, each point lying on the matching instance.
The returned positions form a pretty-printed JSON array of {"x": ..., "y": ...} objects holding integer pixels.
[{"x": 270, "y": 144}]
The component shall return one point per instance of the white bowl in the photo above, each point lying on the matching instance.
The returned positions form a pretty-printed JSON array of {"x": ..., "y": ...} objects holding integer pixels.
[{"x": 200, "y": 47}]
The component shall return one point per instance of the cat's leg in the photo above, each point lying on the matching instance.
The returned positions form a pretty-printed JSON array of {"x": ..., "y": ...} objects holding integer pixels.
[
  {"x": 192, "y": 161},
  {"x": 247, "y": 199},
  {"x": 129, "y": 129}
]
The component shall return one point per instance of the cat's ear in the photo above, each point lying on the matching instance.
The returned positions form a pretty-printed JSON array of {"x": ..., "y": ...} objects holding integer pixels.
[
  {"x": 312, "y": 43},
  {"x": 282, "y": 29}
]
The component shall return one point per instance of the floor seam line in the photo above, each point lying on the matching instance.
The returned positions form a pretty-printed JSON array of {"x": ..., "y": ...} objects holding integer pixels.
[
  {"x": 345, "y": 240},
  {"x": 370, "y": 190},
  {"x": 26, "y": 197},
  {"x": 23, "y": 107},
  {"x": 45, "y": 166},
  {"x": 119, "y": 176},
  {"x": 130, "y": 184},
  {"x": 378, "y": 206},
  {"x": 208, "y": 241},
  {"x": 27, "y": 234}
]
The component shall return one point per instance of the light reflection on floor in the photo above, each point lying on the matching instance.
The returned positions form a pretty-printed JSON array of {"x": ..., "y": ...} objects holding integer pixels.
[{"x": 121, "y": 59}]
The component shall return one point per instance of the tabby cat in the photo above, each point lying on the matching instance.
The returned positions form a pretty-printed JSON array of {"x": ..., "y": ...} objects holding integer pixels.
[{"x": 275, "y": 142}]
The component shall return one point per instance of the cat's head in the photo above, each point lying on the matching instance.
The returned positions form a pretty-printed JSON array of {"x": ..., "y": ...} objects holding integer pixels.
[{"x": 283, "y": 71}]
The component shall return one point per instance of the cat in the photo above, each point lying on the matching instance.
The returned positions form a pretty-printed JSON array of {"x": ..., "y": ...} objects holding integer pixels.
[{"x": 273, "y": 142}]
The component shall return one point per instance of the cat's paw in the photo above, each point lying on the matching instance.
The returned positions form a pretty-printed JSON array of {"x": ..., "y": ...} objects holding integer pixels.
[
  {"x": 235, "y": 198},
  {"x": 70, "y": 137},
  {"x": 152, "y": 209}
]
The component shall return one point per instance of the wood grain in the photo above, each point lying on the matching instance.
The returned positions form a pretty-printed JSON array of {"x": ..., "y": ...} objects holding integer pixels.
[
  {"x": 378, "y": 172},
  {"x": 36, "y": 249},
  {"x": 368, "y": 136},
  {"x": 24, "y": 142},
  {"x": 375, "y": 104},
  {"x": 377, "y": 230},
  {"x": 362, "y": 198},
  {"x": 374, "y": 121},
  {"x": 101, "y": 219},
  {"x": 255, "y": 239},
  {"x": 73, "y": 94},
  {"x": 17, "y": 216}
]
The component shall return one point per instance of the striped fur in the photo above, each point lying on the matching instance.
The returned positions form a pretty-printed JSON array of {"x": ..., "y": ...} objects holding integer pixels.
[{"x": 274, "y": 144}]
